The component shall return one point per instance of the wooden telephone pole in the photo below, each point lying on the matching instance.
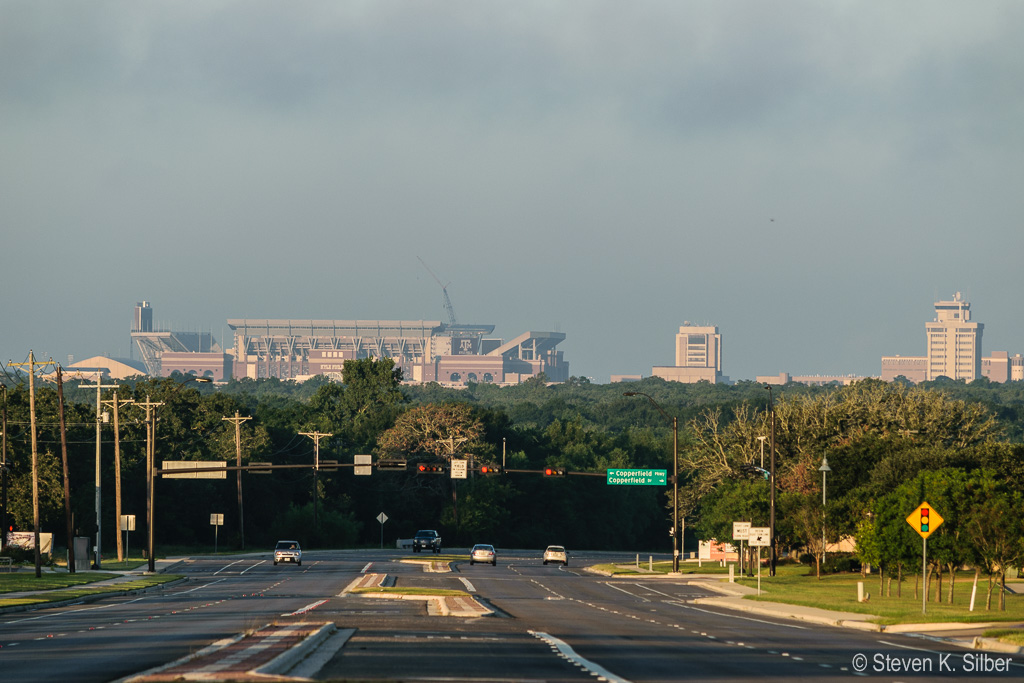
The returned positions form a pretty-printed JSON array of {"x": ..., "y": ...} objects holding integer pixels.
[
  {"x": 117, "y": 471},
  {"x": 150, "y": 454},
  {"x": 35, "y": 453},
  {"x": 316, "y": 436},
  {"x": 238, "y": 461}
]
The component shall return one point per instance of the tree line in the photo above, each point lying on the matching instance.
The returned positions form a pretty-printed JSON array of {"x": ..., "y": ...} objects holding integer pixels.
[{"x": 880, "y": 440}]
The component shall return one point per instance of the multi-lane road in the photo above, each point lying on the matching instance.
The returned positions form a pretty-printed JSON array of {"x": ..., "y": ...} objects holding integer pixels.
[{"x": 550, "y": 623}]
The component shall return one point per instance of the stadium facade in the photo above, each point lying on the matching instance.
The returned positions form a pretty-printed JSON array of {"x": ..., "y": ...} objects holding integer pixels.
[{"x": 425, "y": 350}]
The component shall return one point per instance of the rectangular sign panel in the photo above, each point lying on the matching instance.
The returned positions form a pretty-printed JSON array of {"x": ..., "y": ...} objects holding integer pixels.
[
  {"x": 180, "y": 469},
  {"x": 759, "y": 536},
  {"x": 363, "y": 465},
  {"x": 740, "y": 531},
  {"x": 460, "y": 469},
  {"x": 637, "y": 477}
]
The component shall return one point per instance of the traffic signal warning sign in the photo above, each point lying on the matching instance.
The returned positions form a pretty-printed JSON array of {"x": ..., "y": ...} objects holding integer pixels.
[{"x": 924, "y": 520}]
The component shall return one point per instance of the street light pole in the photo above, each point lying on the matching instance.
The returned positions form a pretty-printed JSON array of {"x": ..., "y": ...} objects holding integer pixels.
[
  {"x": 824, "y": 470},
  {"x": 771, "y": 520},
  {"x": 675, "y": 477}
]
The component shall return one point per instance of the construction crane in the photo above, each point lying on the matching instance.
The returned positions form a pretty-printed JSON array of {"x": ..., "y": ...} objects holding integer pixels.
[{"x": 444, "y": 291}]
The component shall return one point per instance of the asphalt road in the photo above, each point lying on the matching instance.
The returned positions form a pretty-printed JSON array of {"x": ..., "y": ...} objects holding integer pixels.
[{"x": 552, "y": 623}]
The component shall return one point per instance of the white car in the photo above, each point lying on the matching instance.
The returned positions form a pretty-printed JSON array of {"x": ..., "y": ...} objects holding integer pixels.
[
  {"x": 482, "y": 552},
  {"x": 556, "y": 553},
  {"x": 288, "y": 551}
]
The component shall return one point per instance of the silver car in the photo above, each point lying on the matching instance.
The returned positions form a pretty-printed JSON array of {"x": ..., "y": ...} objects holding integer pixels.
[
  {"x": 482, "y": 552},
  {"x": 556, "y": 553},
  {"x": 288, "y": 551}
]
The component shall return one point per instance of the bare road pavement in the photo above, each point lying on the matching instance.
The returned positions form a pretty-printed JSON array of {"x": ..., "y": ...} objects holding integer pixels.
[{"x": 241, "y": 618}]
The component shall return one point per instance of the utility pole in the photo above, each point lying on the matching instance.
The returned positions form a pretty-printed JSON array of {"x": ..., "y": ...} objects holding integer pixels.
[
  {"x": 67, "y": 483},
  {"x": 99, "y": 524},
  {"x": 238, "y": 461},
  {"x": 117, "y": 472},
  {"x": 3, "y": 471},
  {"x": 771, "y": 521},
  {"x": 150, "y": 452},
  {"x": 316, "y": 436},
  {"x": 35, "y": 453}
]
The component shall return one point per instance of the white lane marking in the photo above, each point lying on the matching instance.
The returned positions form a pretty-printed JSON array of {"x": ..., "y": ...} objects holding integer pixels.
[
  {"x": 632, "y": 595},
  {"x": 254, "y": 566},
  {"x": 736, "y": 616},
  {"x": 191, "y": 590},
  {"x": 226, "y": 567},
  {"x": 566, "y": 651},
  {"x": 72, "y": 611},
  {"x": 467, "y": 584},
  {"x": 308, "y": 608}
]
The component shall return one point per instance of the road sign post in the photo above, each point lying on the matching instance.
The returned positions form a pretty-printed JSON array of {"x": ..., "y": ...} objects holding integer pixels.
[
  {"x": 924, "y": 520},
  {"x": 382, "y": 518},
  {"x": 740, "y": 531},
  {"x": 216, "y": 520},
  {"x": 759, "y": 537}
]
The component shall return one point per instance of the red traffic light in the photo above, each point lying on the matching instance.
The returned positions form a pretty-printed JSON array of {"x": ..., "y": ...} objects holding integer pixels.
[
  {"x": 429, "y": 469},
  {"x": 490, "y": 469},
  {"x": 554, "y": 472}
]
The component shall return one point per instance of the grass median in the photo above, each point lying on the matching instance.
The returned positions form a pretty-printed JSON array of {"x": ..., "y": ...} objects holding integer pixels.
[
  {"x": 793, "y": 585},
  {"x": 61, "y": 586}
]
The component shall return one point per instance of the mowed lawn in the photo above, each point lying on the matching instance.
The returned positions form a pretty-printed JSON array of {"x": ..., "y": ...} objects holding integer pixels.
[{"x": 793, "y": 585}]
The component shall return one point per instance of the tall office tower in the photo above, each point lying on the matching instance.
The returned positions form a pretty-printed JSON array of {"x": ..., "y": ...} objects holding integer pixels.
[
  {"x": 698, "y": 356},
  {"x": 699, "y": 347},
  {"x": 954, "y": 342}
]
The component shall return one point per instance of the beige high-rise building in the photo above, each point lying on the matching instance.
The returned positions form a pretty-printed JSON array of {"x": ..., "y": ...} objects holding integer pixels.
[
  {"x": 698, "y": 356},
  {"x": 954, "y": 342}
]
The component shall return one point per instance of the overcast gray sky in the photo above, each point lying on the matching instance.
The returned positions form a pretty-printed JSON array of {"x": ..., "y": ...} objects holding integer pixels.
[{"x": 809, "y": 176}]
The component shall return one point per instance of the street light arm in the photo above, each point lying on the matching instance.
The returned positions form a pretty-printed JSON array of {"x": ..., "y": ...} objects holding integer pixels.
[{"x": 653, "y": 403}]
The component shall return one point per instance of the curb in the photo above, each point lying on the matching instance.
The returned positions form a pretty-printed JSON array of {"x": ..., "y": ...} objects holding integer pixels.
[
  {"x": 465, "y": 606},
  {"x": 87, "y": 598},
  {"x": 292, "y": 656},
  {"x": 977, "y": 643}
]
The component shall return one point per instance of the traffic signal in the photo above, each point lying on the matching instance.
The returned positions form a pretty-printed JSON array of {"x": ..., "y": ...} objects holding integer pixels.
[
  {"x": 489, "y": 469},
  {"x": 554, "y": 472},
  {"x": 424, "y": 468},
  {"x": 924, "y": 520},
  {"x": 391, "y": 465}
]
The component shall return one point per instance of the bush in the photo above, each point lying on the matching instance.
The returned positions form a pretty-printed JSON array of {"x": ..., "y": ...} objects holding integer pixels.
[
  {"x": 20, "y": 555},
  {"x": 841, "y": 564},
  {"x": 807, "y": 558}
]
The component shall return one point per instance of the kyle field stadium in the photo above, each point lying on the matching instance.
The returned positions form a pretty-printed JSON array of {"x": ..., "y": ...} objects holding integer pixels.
[{"x": 426, "y": 350}]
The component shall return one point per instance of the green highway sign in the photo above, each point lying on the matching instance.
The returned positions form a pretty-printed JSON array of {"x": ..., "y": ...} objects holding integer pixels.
[{"x": 637, "y": 477}]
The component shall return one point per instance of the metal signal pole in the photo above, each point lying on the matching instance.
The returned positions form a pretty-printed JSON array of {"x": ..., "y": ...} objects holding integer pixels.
[
  {"x": 99, "y": 499},
  {"x": 238, "y": 461}
]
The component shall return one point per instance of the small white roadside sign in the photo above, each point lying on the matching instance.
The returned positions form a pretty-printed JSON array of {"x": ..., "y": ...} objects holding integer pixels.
[
  {"x": 759, "y": 536},
  {"x": 460, "y": 469}
]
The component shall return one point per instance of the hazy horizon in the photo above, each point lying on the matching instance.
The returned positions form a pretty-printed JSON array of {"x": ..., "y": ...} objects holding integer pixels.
[{"x": 808, "y": 177}]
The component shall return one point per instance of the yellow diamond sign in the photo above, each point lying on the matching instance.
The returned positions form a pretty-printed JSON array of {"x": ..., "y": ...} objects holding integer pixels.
[{"x": 924, "y": 519}]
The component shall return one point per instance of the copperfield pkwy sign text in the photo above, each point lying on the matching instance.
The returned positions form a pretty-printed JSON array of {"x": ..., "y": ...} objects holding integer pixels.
[{"x": 637, "y": 477}]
